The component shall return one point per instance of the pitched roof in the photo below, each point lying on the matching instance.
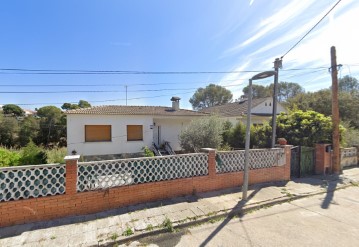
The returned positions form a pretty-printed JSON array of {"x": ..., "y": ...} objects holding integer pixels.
[
  {"x": 135, "y": 110},
  {"x": 233, "y": 109}
]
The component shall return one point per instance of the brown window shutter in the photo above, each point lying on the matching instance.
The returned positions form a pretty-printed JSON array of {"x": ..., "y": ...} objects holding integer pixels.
[
  {"x": 97, "y": 133},
  {"x": 134, "y": 133}
]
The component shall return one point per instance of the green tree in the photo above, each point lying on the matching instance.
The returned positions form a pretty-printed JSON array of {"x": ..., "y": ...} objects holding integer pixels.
[
  {"x": 211, "y": 95},
  {"x": 14, "y": 110},
  {"x": 84, "y": 104},
  {"x": 348, "y": 84},
  {"x": 29, "y": 130},
  {"x": 321, "y": 101},
  {"x": 69, "y": 106},
  {"x": 32, "y": 155},
  {"x": 237, "y": 136},
  {"x": 8, "y": 131},
  {"x": 258, "y": 91},
  {"x": 261, "y": 136},
  {"x": 202, "y": 133},
  {"x": 305, "y": 128},
  {"x": 286, "y": 90},
  {"x": 52, "y": 125}
]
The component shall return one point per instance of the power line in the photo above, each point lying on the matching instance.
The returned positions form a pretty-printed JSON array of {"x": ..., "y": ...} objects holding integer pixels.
[
  {"x": 311, "y": 29},
  {"x": 121, "y": 72},
  {"x": 104, "y": 91},
  {"x": 113, "y": 85}
]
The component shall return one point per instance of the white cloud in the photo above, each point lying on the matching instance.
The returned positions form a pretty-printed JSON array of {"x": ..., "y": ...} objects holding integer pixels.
[
  {"x": 338, "y": 29},
  {"x": 278, "y": 19}
]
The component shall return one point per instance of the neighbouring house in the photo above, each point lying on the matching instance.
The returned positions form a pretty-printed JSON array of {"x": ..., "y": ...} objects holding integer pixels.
[
  {"x": 117, "y": 129},
  {"x": 235, "y": 112},
  {"x": 29, "y": 112}
]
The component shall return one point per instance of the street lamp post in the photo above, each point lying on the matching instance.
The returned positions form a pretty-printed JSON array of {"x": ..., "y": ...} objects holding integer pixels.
[{"x": 248, "y": 131}]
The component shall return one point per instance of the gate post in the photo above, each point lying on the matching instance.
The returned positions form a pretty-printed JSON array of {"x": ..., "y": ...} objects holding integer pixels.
[
  {"x": 323, "y": 161},
  {"x": 287, "y": 151},
  {"x": 211, "y": 161},
  {"x": 71, "y": 174}
]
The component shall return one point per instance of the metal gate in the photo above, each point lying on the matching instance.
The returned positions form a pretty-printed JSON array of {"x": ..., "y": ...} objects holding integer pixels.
[
  {"x": 295, "y": 162},
  {"x": 302, "y": 161},
  {"x": 307, "y": 160}
]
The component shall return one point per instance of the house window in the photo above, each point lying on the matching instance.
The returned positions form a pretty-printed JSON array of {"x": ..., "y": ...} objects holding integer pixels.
[
  {"x": 266, "y": 104},
  {"x": 270, "y": 103},
  {"x": 97, "y": 133},
  {"x": 134, "y": 133}
]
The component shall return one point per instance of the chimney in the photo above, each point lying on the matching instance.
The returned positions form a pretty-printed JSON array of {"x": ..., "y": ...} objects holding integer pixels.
[{"x": 175, "y": 103}]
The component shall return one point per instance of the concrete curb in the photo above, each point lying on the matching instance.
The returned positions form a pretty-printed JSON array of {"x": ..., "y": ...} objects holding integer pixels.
[{"x": 229, "y": 213}]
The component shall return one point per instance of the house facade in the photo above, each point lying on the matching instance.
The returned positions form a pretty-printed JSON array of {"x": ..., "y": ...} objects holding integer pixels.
[
  {"x": 235, "y": 112},
  {"x": 107, "y": 130}
]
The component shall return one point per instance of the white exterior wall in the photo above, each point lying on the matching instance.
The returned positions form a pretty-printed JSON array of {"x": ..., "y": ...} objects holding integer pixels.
[
  {"x": 171, "y": 129},
  {"x": 119, "y": 144},
  {"x": 267, "y": 109}
]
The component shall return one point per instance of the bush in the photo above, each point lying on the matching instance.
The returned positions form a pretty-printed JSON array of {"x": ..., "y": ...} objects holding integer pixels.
[
  {"x": 305, "y": 128},
  {"x": 56, "y": 155},
  {"x": 202, "y": 133},
  {"x": 32, "y": 155},
  {"x": 350, "y": 136},
  {"x": 9, "y": 158},
  {"x": 147, "y": 152}
]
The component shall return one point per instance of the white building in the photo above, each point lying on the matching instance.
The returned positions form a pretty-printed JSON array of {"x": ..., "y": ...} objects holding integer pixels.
[
  {"x": 115, "y": 129},
  {"x": 235, "y": 112}
]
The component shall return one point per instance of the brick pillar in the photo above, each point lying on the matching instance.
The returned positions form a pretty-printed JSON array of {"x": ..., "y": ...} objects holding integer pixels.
[
  {"x": 71, "y": 174},
  {"x": 288, "y": 153},
  {"x": 211, "y": 161},
  {"x": 322, "y": 158}
]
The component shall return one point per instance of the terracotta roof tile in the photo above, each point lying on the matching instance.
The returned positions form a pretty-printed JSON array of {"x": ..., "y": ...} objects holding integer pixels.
[
  {"x": 135, "y": 110},
  {"x": 233, "y": 109}
]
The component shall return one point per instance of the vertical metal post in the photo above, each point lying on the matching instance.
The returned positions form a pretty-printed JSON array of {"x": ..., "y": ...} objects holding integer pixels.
[
  {"x": 277, "y": 65},
  {"x": 335, "y": 112},
  {"x": 248, "y": 136}
]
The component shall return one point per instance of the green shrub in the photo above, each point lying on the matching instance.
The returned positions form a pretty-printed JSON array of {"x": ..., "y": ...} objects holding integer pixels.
[
  {"x": 56, "y": 155},
  {"x": 148, "y": 152},
  {"x": 350, "y": 136},
  {"x": 202, "y": 133},
  {"x": 9, "y": 158},
  {"x": 32, "y": 155}
]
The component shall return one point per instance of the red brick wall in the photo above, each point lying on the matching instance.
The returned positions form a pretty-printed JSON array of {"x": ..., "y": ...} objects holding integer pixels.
[
  {"x": 322, "y": 159},
  {"x": 72, "y": 203}
]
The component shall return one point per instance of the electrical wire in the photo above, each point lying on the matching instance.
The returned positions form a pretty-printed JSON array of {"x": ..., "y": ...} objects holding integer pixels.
[
  {"x": 121, "y": 72},
  {"x": 311, "y": 29}
]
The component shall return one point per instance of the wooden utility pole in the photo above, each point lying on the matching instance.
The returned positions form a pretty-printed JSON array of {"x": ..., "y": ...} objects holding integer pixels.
[{"x": 335, "y": 112}]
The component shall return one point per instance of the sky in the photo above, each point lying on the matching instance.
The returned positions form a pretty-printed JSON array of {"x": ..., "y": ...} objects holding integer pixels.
[{"x": 156, "y": 36}]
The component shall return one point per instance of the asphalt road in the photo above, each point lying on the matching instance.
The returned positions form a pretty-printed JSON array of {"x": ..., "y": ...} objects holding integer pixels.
[{"x": 324, "y": 220}]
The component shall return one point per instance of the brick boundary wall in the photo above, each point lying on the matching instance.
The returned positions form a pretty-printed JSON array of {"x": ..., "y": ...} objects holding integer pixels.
[{"x": 73, "y": 203}]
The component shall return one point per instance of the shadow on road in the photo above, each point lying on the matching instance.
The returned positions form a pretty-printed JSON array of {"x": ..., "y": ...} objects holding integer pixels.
[{"x": 231, "y": 214}]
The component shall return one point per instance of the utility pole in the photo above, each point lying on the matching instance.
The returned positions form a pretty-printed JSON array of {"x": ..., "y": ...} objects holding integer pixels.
[
  {"x": 335, "y": 111},
  {"x": 277, "y": 65}
]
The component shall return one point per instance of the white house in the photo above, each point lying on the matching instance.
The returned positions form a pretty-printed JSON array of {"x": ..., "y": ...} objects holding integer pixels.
[
  {"x": 115, "y": 129},
  {"x": 261, "y": 111}
]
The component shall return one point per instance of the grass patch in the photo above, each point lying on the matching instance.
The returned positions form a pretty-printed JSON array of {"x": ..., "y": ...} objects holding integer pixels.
[
  {"x": 168, "y": 225},
  {"x": 114, "y": 236},
  {"x": 128, "y": 232},
  {"x": 53, "y": 237},
  {"x": 149, "y": 227}
]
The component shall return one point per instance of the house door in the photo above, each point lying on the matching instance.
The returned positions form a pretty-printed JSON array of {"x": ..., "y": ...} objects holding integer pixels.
[{"x": 157, "y": 135}]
